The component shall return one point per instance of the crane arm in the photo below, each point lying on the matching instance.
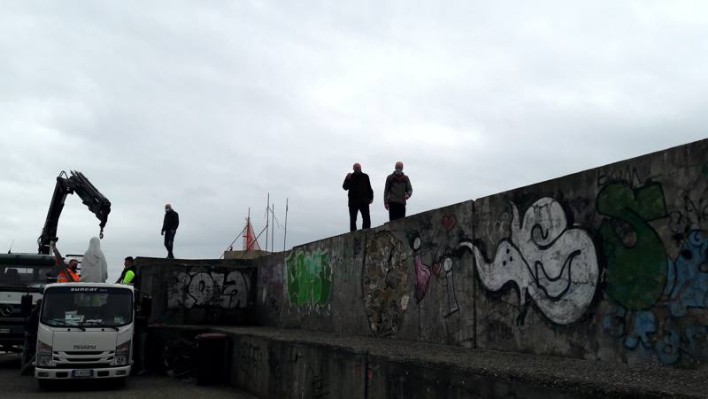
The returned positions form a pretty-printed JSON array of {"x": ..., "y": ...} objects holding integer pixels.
[{"x": 90, "y": 196}]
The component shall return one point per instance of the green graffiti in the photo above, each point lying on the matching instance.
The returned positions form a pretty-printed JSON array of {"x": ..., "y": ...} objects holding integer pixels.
[
  {"x": 309, "y": 278},
  {"x": 636, "y": 258}
]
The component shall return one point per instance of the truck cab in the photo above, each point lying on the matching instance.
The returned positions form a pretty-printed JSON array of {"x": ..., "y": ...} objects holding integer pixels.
[
  {"x": 85, "y": 332},
  {"x": 22, "y": 280}
]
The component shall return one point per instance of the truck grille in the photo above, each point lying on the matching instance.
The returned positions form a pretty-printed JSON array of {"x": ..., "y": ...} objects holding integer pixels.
[
  {"x": 86, "y": 359},
  {"x": 10, "y": 310}
]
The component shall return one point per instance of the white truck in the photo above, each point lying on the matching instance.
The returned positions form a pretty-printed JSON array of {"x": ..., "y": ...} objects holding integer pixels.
[{"x": 85, "y": 332}]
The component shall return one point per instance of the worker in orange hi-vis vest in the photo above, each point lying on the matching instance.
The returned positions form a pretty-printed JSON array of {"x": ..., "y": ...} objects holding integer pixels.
[{"x": 68, "y": 274}]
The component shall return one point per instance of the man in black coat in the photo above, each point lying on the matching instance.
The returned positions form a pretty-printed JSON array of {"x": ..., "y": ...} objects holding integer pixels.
[
  {"x": 360, "y": 196},
  {"x": 169, "y": 228}
]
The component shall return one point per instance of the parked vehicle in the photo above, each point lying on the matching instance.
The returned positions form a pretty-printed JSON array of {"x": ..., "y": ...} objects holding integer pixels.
[
  {"x": 85, "y": 332},
  {"x": 23, "y": 276},
  {"x": 22, "y": 280}
]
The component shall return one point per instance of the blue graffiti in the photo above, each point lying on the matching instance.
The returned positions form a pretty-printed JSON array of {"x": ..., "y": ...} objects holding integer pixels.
[
  {"x": 643, "y": 328},
  {"x": 686, "y": 288},
  {"x": 690, "y": 289}
]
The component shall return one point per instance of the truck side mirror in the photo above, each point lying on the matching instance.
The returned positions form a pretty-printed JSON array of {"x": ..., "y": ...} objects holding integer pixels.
[{"x": 26, "y": 304}]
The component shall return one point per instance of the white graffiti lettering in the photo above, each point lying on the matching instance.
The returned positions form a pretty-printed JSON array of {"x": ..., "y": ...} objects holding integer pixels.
[
  {"x": 213, "y": 289},
  {"x": 555, "y": 265}
]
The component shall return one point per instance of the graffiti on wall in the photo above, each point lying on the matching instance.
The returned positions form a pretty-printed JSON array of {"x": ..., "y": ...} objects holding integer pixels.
[
  {"x": 441, "y": 267},
  {"x": 209, "y": 288},
  {"x": 689, "y": 278},
  {"x": 385, "y": 277},
  {"x": 658, "y": 302},
  {"x": 550, "y": 262},
  {"x": 689, "y": 271},
  {"x": 692, "y": 215},
  {"x": 668, "y": 328},
  {"x": 635, "y": 255},
  {"x": 309, "y": 276},
  {"x": 385, "y": 283}
]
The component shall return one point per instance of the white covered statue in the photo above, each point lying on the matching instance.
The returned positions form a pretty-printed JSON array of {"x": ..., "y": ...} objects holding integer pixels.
[{"x": 94, "y": 268}]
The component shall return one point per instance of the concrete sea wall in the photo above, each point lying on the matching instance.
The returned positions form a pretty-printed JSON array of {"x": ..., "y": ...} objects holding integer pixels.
[
  {"x": 607, "y": 264},
  {"x": 211, "y": 291}
]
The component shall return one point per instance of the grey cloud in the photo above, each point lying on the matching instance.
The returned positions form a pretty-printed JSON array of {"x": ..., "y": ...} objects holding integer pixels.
[{"x": 213, "y": 105}]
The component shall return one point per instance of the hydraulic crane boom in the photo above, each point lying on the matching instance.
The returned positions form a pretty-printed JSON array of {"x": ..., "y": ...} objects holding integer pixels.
[{"x": 90, "y": 196}]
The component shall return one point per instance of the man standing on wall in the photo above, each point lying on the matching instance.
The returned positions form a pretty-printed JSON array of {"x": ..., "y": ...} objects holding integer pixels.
[
  {"x": 397, "y": 190},
  {"x": 360, "y": 196},
  {"x": 169, "y": 228}
]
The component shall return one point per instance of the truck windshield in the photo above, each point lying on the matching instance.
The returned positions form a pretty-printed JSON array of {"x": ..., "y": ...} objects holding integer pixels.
[
  {"x": 74, "y": 305},
  {"x": 24, "y": 275}
]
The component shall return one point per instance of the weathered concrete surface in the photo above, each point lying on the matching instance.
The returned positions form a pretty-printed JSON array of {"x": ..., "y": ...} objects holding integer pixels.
[
  {"x": 278, "y": 369},
  {"x": 290, "y": 363},
  {"x": 607, "y": 264},
  {"x": 209, "y": 291},
  {"x": 439, "y": 295},
  {"x": 389, "y": 281}
]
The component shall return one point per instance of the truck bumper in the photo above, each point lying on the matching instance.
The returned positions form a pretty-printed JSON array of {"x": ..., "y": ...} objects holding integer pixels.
[{"x": 81, "y": 374}]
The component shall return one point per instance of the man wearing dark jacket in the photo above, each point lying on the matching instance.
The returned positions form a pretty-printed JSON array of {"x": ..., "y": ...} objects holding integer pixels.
[
  {"x": 397, "y": 190},
  {"x": 169, "y": 228},
  {"x": 360, "y": 196}
]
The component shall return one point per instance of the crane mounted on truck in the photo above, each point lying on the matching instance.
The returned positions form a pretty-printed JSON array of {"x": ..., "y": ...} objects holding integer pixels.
[
  {"x": 23, "y": 276},
  {"x": 90, "y": 196}
]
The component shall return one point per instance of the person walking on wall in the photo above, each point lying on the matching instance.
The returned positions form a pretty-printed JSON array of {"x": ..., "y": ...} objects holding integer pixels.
[
  {"x": 127, "y": 276},
  {"x": 94, "y": 268},
  {"x": 361, "y": 195},
  {"x": 397, "y": 190},
  {"x": 169, "y": 228}
]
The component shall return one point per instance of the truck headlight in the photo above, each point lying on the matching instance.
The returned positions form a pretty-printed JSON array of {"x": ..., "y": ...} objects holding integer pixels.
[
  {"x": 123, "y": 354},
  {"x": 44, "y": 355}
]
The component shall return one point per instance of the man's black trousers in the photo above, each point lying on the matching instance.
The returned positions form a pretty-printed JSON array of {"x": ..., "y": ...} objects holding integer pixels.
[
  {"x": 396, "y": 211},
  {"x": 354, "y": 209}
]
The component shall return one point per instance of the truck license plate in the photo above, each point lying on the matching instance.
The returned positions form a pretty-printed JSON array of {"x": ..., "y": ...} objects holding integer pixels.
[{"x": 82, "y": 373}]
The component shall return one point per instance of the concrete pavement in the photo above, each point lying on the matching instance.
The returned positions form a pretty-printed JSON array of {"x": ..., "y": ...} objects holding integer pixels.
[
  {"x": 397, "y": 368},
  {"x": 153, "y": 387}
]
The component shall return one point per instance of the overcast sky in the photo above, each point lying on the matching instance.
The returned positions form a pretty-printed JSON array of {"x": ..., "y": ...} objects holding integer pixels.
[{"x": 212, "y": 105}]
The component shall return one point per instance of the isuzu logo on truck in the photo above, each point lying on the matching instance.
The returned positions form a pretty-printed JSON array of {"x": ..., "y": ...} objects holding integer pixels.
[{"x": 84, "y": 346}]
